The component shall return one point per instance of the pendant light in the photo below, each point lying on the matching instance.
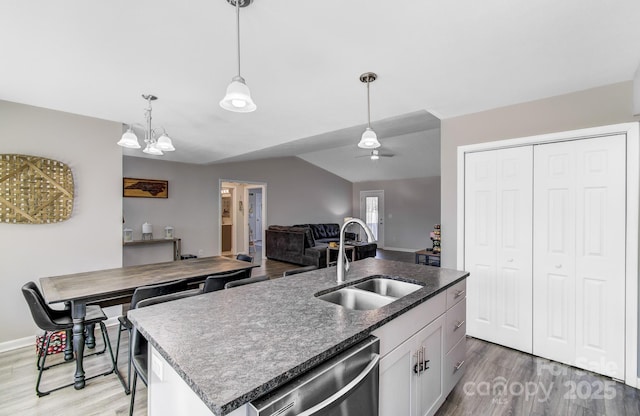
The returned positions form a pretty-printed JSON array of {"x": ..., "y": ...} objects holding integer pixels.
[
  {"x": 238, "y": 97},
  {"x": 155, "y": 143},
  {"x": 369, "y": 139}
]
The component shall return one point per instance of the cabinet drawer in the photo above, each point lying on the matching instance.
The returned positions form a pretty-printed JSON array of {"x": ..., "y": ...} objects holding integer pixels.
[
  {"x": 400, "y": 329},
  {"x": 456, "y": 293},
  {"x": 455, "y": 326},
  {"x": 455, "y": 365}
]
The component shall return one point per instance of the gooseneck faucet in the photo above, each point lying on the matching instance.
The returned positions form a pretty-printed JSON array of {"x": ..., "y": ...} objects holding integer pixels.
[{"x": 341, "y": 267}]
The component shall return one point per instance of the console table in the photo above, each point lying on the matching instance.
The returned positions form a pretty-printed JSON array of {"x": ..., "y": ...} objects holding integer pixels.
[
  {"x": 347, "y": 248},
  {"x": 430, "y": 258},
  {"x": 177, "y": 249}
]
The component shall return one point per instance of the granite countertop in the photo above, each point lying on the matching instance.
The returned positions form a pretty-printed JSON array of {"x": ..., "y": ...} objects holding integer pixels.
[{"x": 233, "y": 346}]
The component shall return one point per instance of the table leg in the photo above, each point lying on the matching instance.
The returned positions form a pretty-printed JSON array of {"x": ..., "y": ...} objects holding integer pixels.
[
  {"x": 68, "y": 348},
  {"x": 79, "y": 310}
]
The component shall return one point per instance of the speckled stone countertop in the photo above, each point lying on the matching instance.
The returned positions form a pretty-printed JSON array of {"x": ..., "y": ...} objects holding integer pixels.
[{"x": 235, "y": 345}]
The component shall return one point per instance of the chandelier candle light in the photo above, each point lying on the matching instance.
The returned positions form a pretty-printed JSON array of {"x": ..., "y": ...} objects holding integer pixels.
[
  {"x": 238, "y": 97},
  {"x": 369, "y": 139},
  {"x": 154, "y": 145}
]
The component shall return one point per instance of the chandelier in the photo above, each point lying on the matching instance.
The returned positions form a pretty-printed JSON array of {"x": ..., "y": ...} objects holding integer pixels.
[{"x": 156, "y": 143}]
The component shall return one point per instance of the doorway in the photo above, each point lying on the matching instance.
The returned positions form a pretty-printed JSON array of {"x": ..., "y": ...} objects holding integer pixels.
[
  {"x": 372, "y": 212},
  {"x": 254, "y": 207},
  {"x": 242, "y": 214}
]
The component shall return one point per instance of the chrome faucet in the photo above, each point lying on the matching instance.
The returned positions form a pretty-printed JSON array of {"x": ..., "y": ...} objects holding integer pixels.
[{"x": 341, "y": 267}]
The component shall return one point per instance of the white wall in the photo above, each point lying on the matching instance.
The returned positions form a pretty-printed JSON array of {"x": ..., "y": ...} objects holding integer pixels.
[
  {"x": 600, "y": 106},
  {"x": 91, "y": 239},
  {"x": 412, "y": 207},
  {"x": 297, "y": 192}
]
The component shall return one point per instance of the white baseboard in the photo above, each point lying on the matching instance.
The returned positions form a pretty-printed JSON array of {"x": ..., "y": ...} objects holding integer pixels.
[
  {"x": 15, "y": 344},
  {"x": 406, "y": 250}
]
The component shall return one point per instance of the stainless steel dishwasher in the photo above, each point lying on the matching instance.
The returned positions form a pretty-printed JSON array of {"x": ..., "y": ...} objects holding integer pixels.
[{"x": 345, "y": 385}]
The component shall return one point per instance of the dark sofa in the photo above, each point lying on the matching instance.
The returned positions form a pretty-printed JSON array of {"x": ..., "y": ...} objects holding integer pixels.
[{"x": 306, "y": 244}]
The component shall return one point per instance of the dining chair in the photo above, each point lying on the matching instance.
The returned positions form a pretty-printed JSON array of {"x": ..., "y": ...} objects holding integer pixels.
[
  {"x": 141, "y": 293},
  {"x": 217, "y": 281},
  {"x": 299, "y": 270},
  {"x": 52, "y": 321},
  {"x": 139, "y": 345},
  {"x": 247, "y": 281}
]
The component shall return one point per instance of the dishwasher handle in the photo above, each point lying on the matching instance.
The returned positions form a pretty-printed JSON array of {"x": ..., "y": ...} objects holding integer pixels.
[{"x": 345, "y": 390}]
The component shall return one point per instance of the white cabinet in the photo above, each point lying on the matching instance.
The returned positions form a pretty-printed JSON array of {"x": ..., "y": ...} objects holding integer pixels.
[
  {"x": 545, "y": 245},
  {"x": 418, "y": 369},
  {"x": 498, "y": 240}
]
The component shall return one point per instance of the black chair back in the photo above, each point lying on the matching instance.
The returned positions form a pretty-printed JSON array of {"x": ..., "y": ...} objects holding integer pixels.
[
  {"x": 244, "y": 257},
  {"x": 145, "y": 292},
  {"x": 217, "y": 281},
  {"x": 38, "y": 309},
  {"x": 241, "y": 282}
]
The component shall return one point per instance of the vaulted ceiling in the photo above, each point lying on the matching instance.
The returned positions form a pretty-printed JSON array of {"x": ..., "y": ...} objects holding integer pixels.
[{"x": 302, "y": 60}]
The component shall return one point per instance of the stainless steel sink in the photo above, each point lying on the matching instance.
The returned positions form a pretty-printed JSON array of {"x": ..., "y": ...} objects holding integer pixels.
[
  {"x": 388, "y": 287},
  {"x": 370, "y": 294},
  {"x": 356, "y": 299}
]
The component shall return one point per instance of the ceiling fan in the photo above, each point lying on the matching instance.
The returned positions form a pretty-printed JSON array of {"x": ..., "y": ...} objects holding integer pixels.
[{"x": 375, "y": 155}]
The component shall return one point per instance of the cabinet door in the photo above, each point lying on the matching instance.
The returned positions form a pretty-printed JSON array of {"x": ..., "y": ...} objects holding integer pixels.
[
  {"x": 430, "y": 382},
  {"x": 579, "y": 247},
  {"x": 397, "y": 387}
]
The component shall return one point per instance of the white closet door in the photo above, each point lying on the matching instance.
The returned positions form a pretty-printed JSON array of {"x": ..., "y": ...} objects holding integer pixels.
[
  {"x": 514, "y": 248},
  {"x": 554, "y": 251},
  {"x": 480, "y": 243},
  {"x": 600, "y": 255},
  {"x": 579, "y": 252},
  {"x": 498, "y": 187}
]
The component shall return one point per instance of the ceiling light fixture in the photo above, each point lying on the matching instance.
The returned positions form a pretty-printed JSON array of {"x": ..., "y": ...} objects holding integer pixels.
[
  {"x": 238, "y": 97},
  {"x": 155, "y": 145},
  {"x": 369, "y": 139}
]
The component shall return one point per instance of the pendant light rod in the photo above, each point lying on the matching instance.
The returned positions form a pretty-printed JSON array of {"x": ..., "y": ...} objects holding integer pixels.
[
  {"x": 238, "y": 32},
  {"x": 368, "y": 77}
]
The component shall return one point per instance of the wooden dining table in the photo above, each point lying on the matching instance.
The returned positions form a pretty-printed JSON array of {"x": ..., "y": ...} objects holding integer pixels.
[{"x": 116, "y": 286}]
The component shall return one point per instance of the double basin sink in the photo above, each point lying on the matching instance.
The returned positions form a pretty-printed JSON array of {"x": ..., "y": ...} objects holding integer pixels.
[{"x": 373, "y": 293}]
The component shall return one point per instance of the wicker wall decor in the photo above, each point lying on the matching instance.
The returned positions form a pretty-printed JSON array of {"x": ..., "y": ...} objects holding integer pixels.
[{"x": 34, "y": 190}]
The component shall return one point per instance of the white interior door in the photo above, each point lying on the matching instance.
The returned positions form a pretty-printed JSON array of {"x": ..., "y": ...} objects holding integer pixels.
[
  {"x": 498, "y": 233},
  {"x": 579, "y": 247},
  {"x": 514, "y": 182},
  {"x": 480, "y": 243},
  {"x": 372, "y": 213}
]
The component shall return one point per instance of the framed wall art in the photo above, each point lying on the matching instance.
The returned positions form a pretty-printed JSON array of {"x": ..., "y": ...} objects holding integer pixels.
[{"x": 145, "y": 188}]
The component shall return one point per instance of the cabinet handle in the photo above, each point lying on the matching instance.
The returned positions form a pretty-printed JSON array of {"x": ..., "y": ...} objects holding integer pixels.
[
  {"x": 558, "y": 266},
  {"x": 459, "y": 324},
  {"x": 457, "y": 367},
  {"x": 509, "y": 260},
  {"x": 458, "y": 294}
]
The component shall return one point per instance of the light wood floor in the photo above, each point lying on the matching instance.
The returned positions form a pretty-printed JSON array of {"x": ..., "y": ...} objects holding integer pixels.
[{"x": 486, "y": 364}]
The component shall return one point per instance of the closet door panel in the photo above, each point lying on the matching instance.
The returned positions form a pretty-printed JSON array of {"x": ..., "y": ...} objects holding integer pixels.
[
  {"x": 480, "y": 243},
  {"x": 513, "y": 248},
  {"x": 554, "y": 252},
  {"x": 600, "y": 254}
]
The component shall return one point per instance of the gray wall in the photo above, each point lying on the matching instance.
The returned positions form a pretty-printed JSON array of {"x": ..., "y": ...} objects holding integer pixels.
[
  {"x": 609, "y": 104},
  {"x": 91, "y": 238},
  {"x": 297, "y": 192},
  {"x": 412, "y": 207}
]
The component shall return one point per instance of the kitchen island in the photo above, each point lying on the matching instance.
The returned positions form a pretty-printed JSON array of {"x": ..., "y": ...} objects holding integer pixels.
[{"x": 233, "y": 346}]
